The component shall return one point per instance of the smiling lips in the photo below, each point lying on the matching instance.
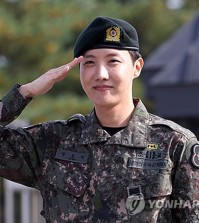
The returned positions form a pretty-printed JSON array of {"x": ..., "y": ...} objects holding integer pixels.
[{"x": 102, "y": 87}]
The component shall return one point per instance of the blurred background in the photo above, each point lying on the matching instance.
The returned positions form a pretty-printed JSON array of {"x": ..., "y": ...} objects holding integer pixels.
[{"x": 37, "y": 35}]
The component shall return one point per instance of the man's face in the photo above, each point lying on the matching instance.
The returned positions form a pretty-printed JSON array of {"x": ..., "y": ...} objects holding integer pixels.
[{"x": 106, "y": 76}]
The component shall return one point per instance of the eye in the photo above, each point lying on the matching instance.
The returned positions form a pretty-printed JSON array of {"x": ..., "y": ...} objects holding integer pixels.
[
  {"x": 89, "y": 62},
  {"x": 114, "y": 60}
]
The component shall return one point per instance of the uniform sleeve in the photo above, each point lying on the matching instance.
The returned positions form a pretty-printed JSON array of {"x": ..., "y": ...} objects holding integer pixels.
[
  {"x": 186, "y": 183},
  {"x": 11, "y": 105},
  {"x": 18, "y": 153},
  {"x": 18, "y": 156}
]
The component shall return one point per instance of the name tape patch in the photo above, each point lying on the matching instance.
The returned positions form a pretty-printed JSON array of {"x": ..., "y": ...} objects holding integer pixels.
[
  {"x": 147, "y": 164},
  {"x": 71, "y": 156},
  {"x": 149, "y": 154}
]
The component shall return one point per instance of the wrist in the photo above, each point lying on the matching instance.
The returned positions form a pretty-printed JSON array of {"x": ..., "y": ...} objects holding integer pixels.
[{"x": 25, "y": 91}]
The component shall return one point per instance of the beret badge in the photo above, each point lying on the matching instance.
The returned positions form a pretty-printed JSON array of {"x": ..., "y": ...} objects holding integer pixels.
[{"x": 113, "y": 34}]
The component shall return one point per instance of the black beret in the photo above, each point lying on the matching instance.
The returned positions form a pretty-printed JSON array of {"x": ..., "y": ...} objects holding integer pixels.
[{"x": 107, "y": 32}]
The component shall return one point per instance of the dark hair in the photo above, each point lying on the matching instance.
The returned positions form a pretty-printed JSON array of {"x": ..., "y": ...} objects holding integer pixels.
[{"x": 135, "y": 55}]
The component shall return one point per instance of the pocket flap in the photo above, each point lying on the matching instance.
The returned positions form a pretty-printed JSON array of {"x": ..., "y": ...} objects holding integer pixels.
[{"x": 68, "y": 176}]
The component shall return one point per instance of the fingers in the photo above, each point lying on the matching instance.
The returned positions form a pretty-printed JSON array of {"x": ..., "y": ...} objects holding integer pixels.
[
  {"x": 75, "y": 62},
  {"x": 66, "y": 67},
  {"x": 46, "y": 81},
  {"x": 59, "y": 73}
]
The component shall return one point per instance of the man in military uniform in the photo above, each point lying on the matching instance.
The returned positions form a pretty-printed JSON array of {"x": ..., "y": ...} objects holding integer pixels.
[{"x": 119, "y": 163}]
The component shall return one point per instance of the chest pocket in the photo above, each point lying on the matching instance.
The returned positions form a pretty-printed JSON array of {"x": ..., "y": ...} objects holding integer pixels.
[
  {"x": 151, "y": 170},
  {"x": 156, "y": 184},
  {"x": 71, "y": 177},
  {"x": 153, "y": 186}
]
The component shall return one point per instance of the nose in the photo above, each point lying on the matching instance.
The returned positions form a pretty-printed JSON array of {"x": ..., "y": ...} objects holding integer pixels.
[{"x": 101, "y": 73}]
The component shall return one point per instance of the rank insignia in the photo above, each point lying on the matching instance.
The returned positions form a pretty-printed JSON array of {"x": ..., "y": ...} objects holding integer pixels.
[
  {"x": 152, "y": 146},
  {"x": 195, "y": 155},
  {"x": 113, "y": 34}
]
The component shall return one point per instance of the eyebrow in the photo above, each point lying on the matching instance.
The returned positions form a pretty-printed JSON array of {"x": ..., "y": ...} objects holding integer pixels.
[
  {"x": 89, "y": 56},
  {"x": 108, "y": 55}
]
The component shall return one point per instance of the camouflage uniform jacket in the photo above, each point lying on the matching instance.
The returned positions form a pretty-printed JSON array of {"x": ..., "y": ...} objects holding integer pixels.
[{"x": 146, "y": 173}]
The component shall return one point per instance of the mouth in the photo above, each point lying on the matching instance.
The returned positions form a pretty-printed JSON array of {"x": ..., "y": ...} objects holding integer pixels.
[{"x": 102, "y": 87}]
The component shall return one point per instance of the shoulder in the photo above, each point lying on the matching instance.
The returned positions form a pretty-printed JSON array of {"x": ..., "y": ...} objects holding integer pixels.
[
  {"x": 77, "y": 118},
  {"x": 157, "y": 121},
  {"x": 74, "y": 119},
  {"x": 71, "y": 124}
]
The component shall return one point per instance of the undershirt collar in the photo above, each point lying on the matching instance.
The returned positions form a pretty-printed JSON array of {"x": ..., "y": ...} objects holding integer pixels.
[{"x": 112, "y": 130}]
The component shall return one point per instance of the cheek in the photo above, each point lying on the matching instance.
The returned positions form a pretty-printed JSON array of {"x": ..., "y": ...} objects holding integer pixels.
[
  {"x": 125, "y": 75},
  {"x": 81, "y": 78},
  {"x": 82, "y": 75},
  {"x": 84, "y": 79}
]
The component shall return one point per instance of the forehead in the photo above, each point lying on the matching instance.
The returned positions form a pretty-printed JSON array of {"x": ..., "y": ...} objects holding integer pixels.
[{"x": 105, "y": 52}]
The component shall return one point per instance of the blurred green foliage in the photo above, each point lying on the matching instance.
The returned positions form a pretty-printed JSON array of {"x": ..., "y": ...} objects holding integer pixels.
[{"x": 37, "y": 35}]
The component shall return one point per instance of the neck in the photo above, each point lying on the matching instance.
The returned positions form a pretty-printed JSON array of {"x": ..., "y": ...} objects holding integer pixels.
[{"x": 117, "y": 116}]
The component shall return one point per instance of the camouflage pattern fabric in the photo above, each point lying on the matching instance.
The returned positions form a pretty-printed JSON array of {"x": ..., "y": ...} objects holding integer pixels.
[{"x": 146, "y": 173}]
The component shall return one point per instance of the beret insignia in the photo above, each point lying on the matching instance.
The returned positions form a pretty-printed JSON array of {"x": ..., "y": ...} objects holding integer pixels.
[{"x": 113, "y": 34}]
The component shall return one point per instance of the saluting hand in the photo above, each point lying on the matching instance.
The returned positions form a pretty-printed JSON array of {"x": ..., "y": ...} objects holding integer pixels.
[{"x": 46, "y": 81}]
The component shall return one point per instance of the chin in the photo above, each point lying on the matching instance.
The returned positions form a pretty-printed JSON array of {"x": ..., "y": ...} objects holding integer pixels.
[
  {"x": 107, "y": 104},
  {"x": 105, "y": 101}
]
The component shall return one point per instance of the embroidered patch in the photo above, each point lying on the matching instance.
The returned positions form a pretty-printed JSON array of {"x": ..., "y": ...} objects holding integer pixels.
[
  {"x": 113, "y": 34},
  {"x": 149, "y": 154},
  {"x": 71, "y": 156},
  {"x": 195, "y": 155},
  {"x": 147, "y": 164},
  {"x": 134, "y": 190},
  {"x": 152, "y": 146}
]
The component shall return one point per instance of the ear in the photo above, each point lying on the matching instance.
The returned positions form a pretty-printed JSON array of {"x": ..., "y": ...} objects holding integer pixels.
[{"x": 138, "y": 65}]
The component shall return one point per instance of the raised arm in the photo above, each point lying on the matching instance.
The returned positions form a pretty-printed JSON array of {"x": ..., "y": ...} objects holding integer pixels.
[
  {"x": 13, "y": 103},
  {"x": 22, "y": 150}
]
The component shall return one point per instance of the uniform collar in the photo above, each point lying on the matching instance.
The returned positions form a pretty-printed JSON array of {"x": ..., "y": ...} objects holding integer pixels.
[{"x": 134, "y": 135}]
